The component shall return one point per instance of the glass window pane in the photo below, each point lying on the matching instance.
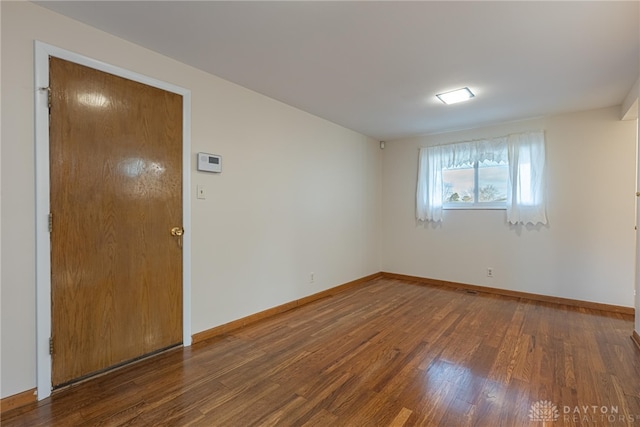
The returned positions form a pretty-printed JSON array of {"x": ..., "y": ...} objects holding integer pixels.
[
  {"x": 492, "y": 182},
  {"x": 458, "y": 185}
]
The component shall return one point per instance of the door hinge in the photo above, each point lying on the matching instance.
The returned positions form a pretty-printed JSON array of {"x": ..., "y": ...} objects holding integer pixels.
[
  {"x": 48, "y": 89},
  {"x": 50, "y": 345},
  {"x": 50, "y": 225}
]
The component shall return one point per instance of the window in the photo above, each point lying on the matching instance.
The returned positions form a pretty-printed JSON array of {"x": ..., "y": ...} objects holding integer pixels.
[
  {"x": 505, "y": 172},
  {"x": 482, "y": 185}
]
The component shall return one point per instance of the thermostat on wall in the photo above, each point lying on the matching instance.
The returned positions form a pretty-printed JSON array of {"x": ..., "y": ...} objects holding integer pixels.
[{"x": 209, "y": 163}]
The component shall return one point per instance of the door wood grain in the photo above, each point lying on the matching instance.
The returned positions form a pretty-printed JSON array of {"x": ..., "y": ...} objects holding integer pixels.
[{"x": 116, "y": 192}]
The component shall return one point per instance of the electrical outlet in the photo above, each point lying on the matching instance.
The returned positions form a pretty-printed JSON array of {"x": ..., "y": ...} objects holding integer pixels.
[
  {"x": 489, "y": 272},
  {"x": 312, "y": 277}
]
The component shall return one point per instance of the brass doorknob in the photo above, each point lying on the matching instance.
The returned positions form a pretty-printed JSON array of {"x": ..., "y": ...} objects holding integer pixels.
[{"x": 178, "y": 232}]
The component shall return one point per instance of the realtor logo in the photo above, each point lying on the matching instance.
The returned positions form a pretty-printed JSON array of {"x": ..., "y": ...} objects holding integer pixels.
[{"x": 544, "y": 410}]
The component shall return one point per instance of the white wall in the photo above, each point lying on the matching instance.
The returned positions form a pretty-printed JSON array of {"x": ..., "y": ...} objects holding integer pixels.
[
  {"x": 586, "y": 252},
  {"x": 297, "y": 194}
]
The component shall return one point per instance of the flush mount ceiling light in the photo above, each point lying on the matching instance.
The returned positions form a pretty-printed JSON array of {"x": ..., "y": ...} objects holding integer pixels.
[{"x": 458, "y": 95}]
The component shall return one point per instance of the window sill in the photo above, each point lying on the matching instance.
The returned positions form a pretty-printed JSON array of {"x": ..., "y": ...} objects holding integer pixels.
[{"x": 474, "y": 207}]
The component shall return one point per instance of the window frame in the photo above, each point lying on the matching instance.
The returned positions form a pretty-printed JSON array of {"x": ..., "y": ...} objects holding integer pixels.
[{"x": 476, "y": 205}]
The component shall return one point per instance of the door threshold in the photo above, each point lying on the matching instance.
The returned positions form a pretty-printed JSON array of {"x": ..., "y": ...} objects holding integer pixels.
[{"x": 114, "y": 368}]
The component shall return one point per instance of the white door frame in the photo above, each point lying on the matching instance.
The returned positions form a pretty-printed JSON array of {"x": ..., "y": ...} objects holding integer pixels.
[
  {"x": 43, "y": 244},
  {"x": 636, "y": 291}
]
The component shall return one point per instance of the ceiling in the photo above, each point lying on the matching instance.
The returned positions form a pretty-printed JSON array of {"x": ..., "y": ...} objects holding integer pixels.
[{"x": 375, "y": 67}]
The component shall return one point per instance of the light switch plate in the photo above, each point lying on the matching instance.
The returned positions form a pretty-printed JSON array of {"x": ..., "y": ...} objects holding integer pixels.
[{"x": 201, "y": 192}]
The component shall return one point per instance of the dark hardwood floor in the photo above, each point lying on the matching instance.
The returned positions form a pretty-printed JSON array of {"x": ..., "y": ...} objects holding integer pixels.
[{"x": 388, "y": 353}]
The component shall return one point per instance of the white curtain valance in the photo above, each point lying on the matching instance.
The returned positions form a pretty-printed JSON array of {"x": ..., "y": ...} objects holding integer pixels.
[{"x": 467, "y": 153}]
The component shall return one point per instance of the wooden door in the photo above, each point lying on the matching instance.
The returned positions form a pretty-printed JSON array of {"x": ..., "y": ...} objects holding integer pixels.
[{"x": 116, "y": 193}]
